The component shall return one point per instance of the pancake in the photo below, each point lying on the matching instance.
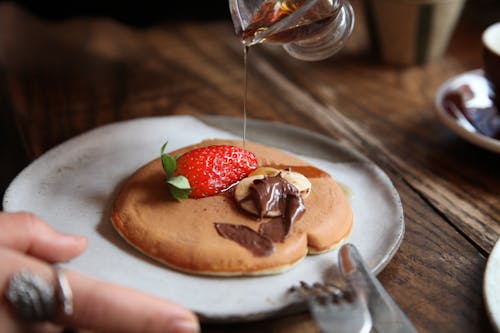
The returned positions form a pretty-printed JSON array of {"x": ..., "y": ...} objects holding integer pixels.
[{"x": 182, "y": 234}]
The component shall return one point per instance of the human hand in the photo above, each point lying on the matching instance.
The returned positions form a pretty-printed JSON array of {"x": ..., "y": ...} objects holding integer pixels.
[{"x": 29, "y": 244}]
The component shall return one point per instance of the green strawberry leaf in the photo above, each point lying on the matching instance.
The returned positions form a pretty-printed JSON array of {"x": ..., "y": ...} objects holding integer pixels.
[
  {"x": 180, "y": 182},
  {"x": 168, "y": 162},
  {"x": 179, "y": 187}
]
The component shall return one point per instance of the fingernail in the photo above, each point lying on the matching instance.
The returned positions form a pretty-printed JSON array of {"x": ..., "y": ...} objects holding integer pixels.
[
  {"x": 185, "y": 326},
  {"x": 74, "y": 242},
  {"x": 76, "y": 238}
]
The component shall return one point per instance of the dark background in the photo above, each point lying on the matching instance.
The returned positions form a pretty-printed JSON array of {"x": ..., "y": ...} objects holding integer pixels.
[
  {"x": 141, "y": 14},
  {"x": 137, "y": 13}
]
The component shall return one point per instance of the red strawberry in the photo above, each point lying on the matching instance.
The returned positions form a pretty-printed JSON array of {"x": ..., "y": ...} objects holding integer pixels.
[{"x": 208, "y": 170}]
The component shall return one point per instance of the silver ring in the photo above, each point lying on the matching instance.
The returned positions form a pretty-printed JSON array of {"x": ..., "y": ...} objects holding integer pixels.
[
  {"x": 65, "y": 294},
  {"x": 34, "y": 299}
]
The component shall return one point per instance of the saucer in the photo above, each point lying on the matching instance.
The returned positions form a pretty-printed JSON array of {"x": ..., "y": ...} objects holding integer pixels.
[
  {"x": 464, "y": 104},
  {"x": 491, "y": 286}
]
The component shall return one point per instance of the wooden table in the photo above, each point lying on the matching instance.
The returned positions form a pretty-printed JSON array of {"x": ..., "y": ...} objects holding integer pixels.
[{"x": 59, "y": 79}]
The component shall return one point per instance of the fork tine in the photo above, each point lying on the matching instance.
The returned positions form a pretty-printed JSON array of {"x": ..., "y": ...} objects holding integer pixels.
[
  {"x": 322, "y": 292},
  {"x": 329, "y": 288},
  {"x": 335, "y": 310}
]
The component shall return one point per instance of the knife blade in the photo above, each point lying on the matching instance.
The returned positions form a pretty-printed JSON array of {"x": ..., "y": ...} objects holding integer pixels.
[{"x": 386, "y": 314}]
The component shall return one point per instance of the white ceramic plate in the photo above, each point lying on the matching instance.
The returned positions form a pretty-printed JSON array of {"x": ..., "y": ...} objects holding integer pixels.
[
  {"x": 491, "y": 286},
  {"x": 72, "y": 187},
  {"x": 479, "y": 86}
]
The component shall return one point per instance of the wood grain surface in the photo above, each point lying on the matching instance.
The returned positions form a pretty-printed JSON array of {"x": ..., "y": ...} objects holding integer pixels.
[{"x": 61, "y": 78}]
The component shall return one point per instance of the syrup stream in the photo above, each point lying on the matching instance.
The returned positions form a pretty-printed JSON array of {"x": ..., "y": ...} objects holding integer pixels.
[{"x": 246, "y": 48}]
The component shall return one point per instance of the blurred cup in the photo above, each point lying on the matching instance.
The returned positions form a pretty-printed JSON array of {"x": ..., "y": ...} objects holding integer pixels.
[
  {"x": 491, "y": 57},
  {"x": 411, "y": 32}
]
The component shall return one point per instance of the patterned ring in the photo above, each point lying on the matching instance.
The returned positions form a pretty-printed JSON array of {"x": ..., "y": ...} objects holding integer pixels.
[{"x": 34, "y": 299}]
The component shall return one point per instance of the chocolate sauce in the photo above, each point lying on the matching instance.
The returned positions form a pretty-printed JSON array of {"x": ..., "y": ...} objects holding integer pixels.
[
  {"x": 270, "y": 194},
  {"x": 275, "y": 194},
  {"x": 259, "y": 245},
  {"x": 275, "y": 229}
]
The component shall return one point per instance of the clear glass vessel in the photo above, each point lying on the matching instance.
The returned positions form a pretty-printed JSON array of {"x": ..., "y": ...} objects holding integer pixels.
[{"x": 308, "y": 29}]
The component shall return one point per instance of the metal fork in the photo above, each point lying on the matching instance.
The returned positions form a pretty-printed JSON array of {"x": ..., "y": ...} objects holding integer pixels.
[{"x": 335, "y": 310}]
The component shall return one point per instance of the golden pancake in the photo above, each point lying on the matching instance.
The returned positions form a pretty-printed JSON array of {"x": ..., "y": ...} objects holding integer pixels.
[{"x": 182, "y": 234}]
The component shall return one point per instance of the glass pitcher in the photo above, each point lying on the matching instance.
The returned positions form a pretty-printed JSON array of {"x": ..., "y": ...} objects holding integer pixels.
[{"x": 308, "y": 29}]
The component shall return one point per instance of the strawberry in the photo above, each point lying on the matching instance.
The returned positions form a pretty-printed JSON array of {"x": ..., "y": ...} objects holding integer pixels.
[{"x": 206, "y": 171}]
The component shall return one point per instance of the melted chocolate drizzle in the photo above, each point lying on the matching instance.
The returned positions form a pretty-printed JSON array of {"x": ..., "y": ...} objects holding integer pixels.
[
  {"x": 271, "y": 194},
  {"x": 259, "y": 245}
]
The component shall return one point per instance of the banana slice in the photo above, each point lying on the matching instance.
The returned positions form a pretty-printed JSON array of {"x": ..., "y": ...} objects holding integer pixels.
[
  {"x": 298, "y": 180},
  {"x": 242, "y": 190}
]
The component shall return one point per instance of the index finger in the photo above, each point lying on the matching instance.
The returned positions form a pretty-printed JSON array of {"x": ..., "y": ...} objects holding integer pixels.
[{"x": 26, "y": 232}]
